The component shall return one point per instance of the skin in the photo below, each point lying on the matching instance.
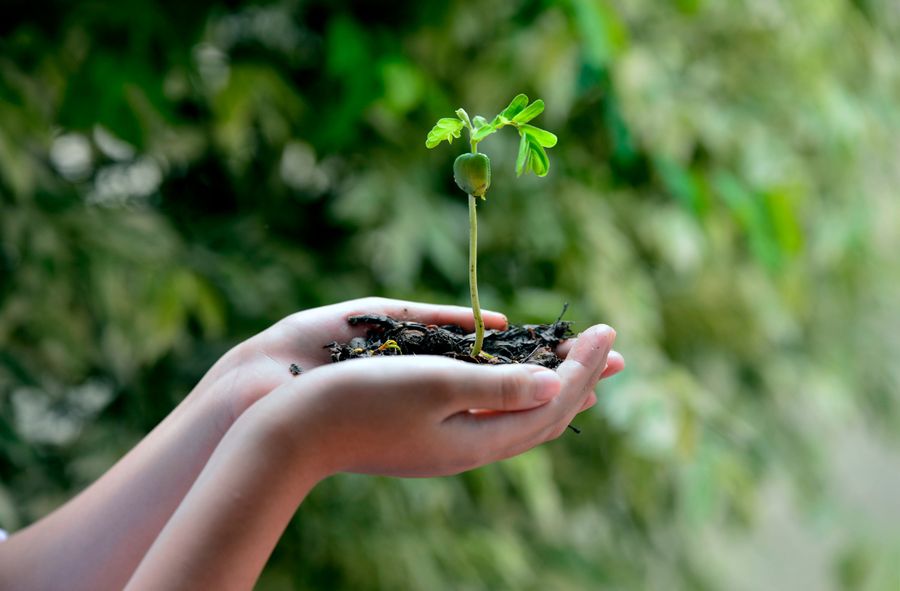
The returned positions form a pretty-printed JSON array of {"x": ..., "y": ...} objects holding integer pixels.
[{"x": 159, "y": 517}]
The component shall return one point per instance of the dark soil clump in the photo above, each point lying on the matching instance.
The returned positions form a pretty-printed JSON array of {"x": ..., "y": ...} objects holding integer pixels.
[{"x": 528, "y": 343}]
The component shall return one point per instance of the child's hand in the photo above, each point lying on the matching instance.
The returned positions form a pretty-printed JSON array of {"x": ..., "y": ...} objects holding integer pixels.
[
  {"x": 260, "y": 364},
  {"x": 410, "y": 416}
]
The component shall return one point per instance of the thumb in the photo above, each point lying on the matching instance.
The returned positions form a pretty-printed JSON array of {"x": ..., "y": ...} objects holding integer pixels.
[{"x": 503, "y": 388}]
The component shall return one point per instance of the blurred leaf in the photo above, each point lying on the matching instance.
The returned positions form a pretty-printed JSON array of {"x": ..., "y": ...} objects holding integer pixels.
[
  {"x": 683, "y": 185},
  {"x": 602, "y": 31},
  {"x": 750, "y": 212},
  {"x": 347, "y": 47},
  {"x": 780, "y": 204},
  {"x": 403, "y": 85}
]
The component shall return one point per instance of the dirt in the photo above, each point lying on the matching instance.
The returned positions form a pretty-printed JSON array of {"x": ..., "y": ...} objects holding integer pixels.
[{"x": 527, "y": 343}]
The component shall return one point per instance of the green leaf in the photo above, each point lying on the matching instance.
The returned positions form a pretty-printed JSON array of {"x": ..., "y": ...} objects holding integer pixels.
[
  {"x": 445, "y": 129},
  {"x": 464, "y": 117},
  {"x": 530, "y": 112},
  {"x": 483, "y": 128},
  {"x": 540, "y": 162},
  {"x": 483, "y": 132},
  {"x": 543, "y": 137},
  {"x": 523, "y": 157},
  {"x": 514, "y": 107},
  {"x": 449, "y": 124}
]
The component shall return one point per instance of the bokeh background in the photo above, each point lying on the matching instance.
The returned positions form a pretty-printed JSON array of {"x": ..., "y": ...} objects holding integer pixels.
[{"x": 175, "y": 176}]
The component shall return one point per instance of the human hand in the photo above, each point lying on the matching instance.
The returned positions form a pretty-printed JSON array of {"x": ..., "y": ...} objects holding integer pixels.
[
  {"x": 260, "y": 364},
  {"x": 405, "y": 416}
]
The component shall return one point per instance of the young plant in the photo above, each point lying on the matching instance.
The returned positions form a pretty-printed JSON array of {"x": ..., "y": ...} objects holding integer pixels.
[{"x": 472, "y": 171}]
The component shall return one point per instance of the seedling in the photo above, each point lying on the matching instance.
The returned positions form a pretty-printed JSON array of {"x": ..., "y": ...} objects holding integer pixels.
[{"x": 472, "y": 170}]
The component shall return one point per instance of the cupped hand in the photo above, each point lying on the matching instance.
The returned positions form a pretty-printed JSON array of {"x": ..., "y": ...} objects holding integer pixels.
[
  {"x": 430, "y": 416},
  {"x": 260, "y": 364}
]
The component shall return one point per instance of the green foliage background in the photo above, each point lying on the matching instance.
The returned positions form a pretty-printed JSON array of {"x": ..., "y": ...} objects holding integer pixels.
[{"x": 175, "y": 176}]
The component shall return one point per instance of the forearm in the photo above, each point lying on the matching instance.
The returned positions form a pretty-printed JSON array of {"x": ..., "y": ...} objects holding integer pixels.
[
  {"x": 97, "y": 540},
  {"x": 225, "y": 529}
]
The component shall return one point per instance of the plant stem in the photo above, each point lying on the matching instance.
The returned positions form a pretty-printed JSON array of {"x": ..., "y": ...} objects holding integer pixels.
[{"x": 473, "y": 277}]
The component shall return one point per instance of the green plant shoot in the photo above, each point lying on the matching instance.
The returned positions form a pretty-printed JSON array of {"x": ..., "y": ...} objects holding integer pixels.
[{"x": 472, "y": 170}]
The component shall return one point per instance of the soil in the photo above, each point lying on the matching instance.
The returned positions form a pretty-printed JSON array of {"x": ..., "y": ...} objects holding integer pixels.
[{"x": 527, "y": 343}]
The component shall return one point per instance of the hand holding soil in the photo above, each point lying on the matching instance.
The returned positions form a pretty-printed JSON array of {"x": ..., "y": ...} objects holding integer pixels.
[
  {"x": 300, "y": 343},
  {"x": 432, "y": 416},
  {"x": 400, "y": 416},
  {"x": 262, "y": 363}
]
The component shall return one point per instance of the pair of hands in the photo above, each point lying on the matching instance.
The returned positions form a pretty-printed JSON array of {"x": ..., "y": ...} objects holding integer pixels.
[
  {"x": 404, "y": 416},
  {"x": 201, "y": 501},
  {"x": 400, "y": 416}
]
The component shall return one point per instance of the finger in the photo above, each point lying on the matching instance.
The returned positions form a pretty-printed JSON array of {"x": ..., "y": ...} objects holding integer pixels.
[
  {"x": 427, "y": 313},
  {"x": 586, "y": 361},
  {"x": 591, "y": 401},
  {"x": 562, "y": 349},
  {"x": 506, "y": 388},
  {"x": 513, "y": 433},
  {"x": 614, "y": 364},
  {"x": 447, "y": 387},
  {"x": 591, "y": 361}
]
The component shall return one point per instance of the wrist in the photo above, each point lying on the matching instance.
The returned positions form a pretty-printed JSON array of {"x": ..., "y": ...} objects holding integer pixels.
[
  {"x": 225, "y": 528},
  {"x": 235, "y": 383},
  {"x": 285, "y": 424}
]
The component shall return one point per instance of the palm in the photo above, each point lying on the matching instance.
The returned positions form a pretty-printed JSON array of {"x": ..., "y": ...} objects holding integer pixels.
[{"x": 261, "y": 364}]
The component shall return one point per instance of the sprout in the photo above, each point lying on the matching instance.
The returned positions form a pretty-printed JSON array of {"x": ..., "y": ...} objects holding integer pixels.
[{"x": 472, "y": 171}]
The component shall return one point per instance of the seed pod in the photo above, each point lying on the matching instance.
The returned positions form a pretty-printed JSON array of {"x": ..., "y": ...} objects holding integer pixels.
[{"x": 472, "y": 173}]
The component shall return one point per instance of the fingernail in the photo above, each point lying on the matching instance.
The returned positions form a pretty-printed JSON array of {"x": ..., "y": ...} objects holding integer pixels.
[
  {"x": 546, "y": 384},
  {"x": 602, "y": 330},
  {"x": 611, "y": 330}
]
